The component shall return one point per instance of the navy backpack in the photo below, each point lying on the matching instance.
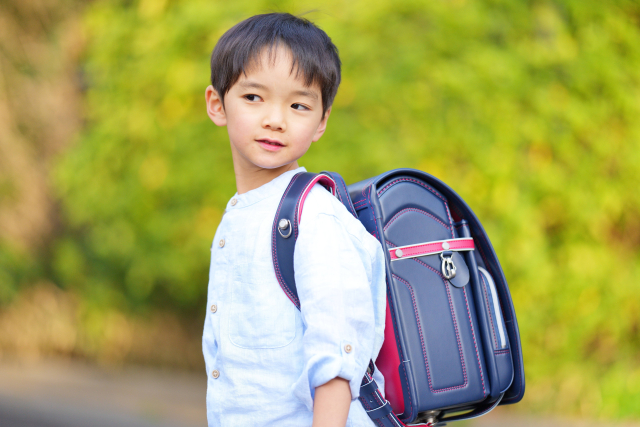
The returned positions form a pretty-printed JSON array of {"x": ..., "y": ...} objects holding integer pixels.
[{"x": 452, "y": 348}]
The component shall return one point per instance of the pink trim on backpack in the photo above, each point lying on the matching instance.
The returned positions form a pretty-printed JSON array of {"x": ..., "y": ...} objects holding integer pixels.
[
  {"x": 431, "y": 248},
  {"x": 325, "y": 180}
]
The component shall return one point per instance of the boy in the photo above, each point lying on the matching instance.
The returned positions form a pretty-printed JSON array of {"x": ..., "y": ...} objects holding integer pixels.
[{"x": 274, "y": 78}]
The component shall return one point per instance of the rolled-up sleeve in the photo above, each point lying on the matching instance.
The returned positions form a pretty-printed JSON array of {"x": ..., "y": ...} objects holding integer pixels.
[{"x": 340, "y": 284}]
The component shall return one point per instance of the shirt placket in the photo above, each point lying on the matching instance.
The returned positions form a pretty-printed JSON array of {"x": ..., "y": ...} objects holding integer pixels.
[{"x": 221, "y": 276}]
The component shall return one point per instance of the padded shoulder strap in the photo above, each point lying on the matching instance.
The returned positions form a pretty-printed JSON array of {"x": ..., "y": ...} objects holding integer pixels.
[{"x": 285, "y": 227}]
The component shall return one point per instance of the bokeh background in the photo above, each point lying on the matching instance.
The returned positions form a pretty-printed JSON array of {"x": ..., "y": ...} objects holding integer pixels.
[{"x": 113, "y": 180}]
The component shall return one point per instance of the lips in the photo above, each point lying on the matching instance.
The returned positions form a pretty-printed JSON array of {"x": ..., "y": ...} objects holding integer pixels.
[
  {"x": 268, "y": 141},
  {"x": 270, "y": 144}
]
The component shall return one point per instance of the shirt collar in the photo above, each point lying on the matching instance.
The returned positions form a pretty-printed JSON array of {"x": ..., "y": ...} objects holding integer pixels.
[{"x": 274, "y": 187}]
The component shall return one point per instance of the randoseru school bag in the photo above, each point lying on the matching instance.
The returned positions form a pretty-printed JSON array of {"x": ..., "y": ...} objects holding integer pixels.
[{"x": 452, "y": 348}]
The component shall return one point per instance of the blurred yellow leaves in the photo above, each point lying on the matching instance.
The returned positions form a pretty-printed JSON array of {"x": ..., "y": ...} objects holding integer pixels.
[
  {"x": 207, "y": 221},
  {"x": 40, "y": 323},
  {"x": 140, "y": 121},
  {"x": 505, "y": 196},
  {"x": 540, "y": 155},
  {"x": 553, "y": 43},
  {"x": 584, "y": 261},
  {"x": 45, "y": 322},
  {"x": 588, "y": 301},
  {"x": 185, "y": 77},
  {"x": 151, "y": 8},
  {"x": 174, "y": 109},
  {"x": 346, "y": 94},
  {"x": 153, "y": 171},
  {"x": 139, "y": 279},
  {"x": 571, "y": 388}
]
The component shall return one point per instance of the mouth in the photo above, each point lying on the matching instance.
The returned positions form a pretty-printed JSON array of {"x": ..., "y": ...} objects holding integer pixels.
[{"x": 272, "y": 142}]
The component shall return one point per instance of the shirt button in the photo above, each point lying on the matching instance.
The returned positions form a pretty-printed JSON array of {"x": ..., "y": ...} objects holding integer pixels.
[
  {"x": 214, "y": 308},
  {"x": 348, "y": 348},
  {"x": 233, "y": 202},
  {"x": 221, "y": 243},
  {"x": 215, "y": 374}
]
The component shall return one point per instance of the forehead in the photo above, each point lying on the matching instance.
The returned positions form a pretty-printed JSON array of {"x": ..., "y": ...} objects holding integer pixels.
[{"x": 277, "y": 62}]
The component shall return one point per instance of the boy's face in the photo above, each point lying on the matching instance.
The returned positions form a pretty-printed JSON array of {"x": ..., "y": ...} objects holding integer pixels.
[{"x": 271, "y": 116}]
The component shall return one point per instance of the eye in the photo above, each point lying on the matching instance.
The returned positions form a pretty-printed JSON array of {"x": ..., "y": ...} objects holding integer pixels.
[
  {"x": 253, "y": 98},
  {"x": 299, "y": 107}
]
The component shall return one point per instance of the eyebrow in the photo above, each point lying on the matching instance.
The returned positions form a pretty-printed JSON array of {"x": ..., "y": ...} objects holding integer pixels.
[
  {"x": 306, "y": 93},
  {"x": 256, "y": 85}
]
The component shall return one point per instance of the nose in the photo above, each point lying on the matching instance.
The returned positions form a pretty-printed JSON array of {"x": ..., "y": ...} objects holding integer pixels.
[{"x": 274, "y": 119}]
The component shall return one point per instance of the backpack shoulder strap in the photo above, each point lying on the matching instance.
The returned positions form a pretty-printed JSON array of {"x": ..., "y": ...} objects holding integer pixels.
[{"x": 285, "y": 227}]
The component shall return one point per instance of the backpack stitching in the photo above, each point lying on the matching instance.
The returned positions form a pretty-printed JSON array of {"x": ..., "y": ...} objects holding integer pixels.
[
  {"x": 515, "y": 347},
  {"x": 486, "y": 300},
  {"x": 346, "y": 192},
  {"x": 422, "y": 184},
  {"x": 464, "y": 290},
  {"x": 453, "y": 317},
  {"x": 395, "y": 217},
  {"x": 285, "y": 288},
  {"x": 404, "y": 371},
  {"x": 503, "y": 285},
  {"x": 373, "y": 214},
  {"x": 424, "y": 351}
]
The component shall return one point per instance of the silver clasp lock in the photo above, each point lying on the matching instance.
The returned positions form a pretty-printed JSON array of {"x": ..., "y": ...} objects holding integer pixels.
[
  {"x": 448, "y": 267},
  {"x": 284, "y": 225}
]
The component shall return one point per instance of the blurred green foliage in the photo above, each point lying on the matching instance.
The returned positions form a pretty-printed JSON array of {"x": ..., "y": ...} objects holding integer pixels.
[{"x": 529, "y": 109}]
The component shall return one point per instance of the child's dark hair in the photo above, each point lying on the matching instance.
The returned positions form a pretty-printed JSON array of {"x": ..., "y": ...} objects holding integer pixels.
[{"x": 314, "y": 54}]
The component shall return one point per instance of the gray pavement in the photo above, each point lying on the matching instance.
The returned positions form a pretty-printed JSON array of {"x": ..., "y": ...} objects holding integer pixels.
[
  {"x": 74, "y": 394},
  {"x": 63, "y": 394}
]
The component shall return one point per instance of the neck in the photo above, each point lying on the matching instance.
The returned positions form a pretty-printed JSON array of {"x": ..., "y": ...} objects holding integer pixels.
[{"x": 258, "y": 177}]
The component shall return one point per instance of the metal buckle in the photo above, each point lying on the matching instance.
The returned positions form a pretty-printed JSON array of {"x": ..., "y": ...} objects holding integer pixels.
[
  {"x": 428, "y": 417},
  {"x": 283, "y": 225},
  {"x": 448, "y": 267}
]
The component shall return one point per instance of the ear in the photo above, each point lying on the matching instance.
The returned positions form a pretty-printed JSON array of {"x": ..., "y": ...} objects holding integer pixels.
[
  {"x": 322, "y": 126},
  {"x": 215, "y": 108}
]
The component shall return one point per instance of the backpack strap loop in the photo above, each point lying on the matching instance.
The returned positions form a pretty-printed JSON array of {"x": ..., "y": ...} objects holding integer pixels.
[{"x": 380, "y": 412}]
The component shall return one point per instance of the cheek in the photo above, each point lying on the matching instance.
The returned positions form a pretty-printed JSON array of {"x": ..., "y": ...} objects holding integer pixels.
[
  {"x": 239, "y": 125},
  {"x": 304, "y": 138},
  {"x": 308, "y": 129}
]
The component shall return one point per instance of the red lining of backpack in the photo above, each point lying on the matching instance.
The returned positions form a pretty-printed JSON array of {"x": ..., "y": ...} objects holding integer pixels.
[{"x": 388, "y": 363}]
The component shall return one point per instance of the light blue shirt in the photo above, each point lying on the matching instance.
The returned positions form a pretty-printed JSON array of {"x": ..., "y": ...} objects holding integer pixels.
[{"x": 264, "y": 358}]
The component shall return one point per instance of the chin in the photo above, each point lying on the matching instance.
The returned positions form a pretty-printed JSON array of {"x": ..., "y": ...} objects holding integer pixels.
[{"x": 272, "y": 166}]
